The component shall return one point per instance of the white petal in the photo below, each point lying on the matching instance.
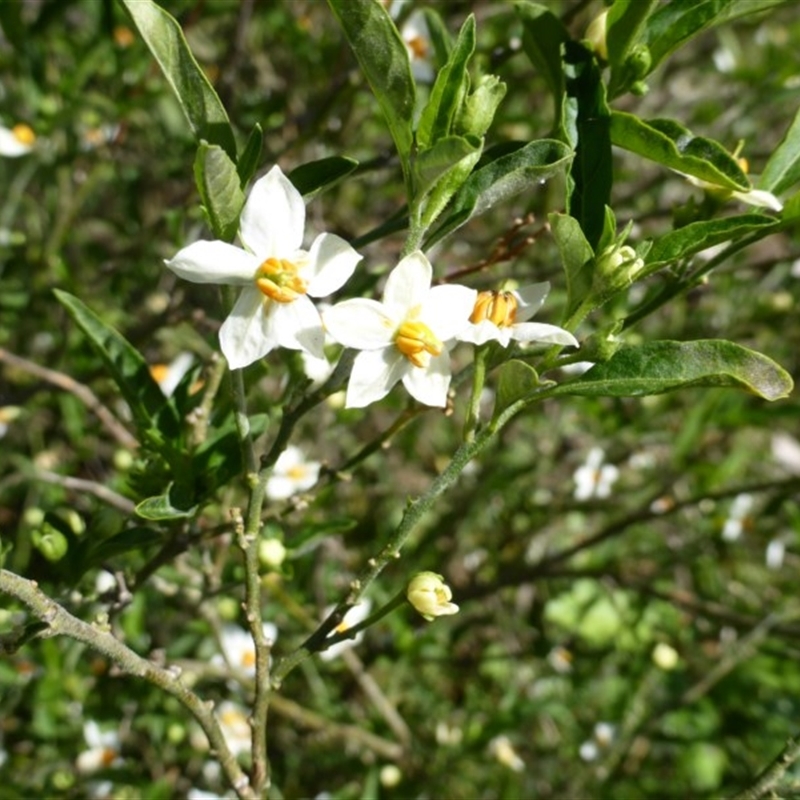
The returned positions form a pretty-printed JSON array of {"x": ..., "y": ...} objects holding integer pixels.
[
  {"x": 760, "y": 198},
  {"x": 214, "y": 262},
  {"x": 540, "y": 332},
  {"x": 331, "y": 263},
  {"x": 446, "y": 310},
  {"x": 10, "y": 145},
  {"x": 530, "y": 299},
  {"x": 408, "y": 284},
  {"x": 243, "y": 336},
  {"x": 274, "y": 217},
  {"x": 373, "y": 375},
  {"x": 298, "y": 326},
  {"x": 430, "y": 385},
  {"x": 360, "y": 323},
  {"x": 485, "y": 331}
]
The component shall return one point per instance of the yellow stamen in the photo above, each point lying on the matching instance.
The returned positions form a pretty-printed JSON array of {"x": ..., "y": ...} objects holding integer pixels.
[
  {"x": 159, "y": 372},
  {"x": 500, "y": 308},
  {"x": 23, "y": 133},
  {"x": 416, "y": 341},
  {"x": 297, "y": 472},
  {"x": 248, "y": 659},
  {"x": 277, "y": 279},
  {"x": 418, "y": 47}
]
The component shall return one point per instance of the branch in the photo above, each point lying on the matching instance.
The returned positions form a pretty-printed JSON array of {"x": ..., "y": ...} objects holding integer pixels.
[{"x": 772, "y": 775}]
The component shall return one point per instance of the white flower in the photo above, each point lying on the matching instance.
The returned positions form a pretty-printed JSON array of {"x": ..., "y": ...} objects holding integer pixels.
[
  {"x": 357, "y": 614},
  {"x": 168, "y": 376},
  {"x": 16, "y": 141},
  {"x": 503, "y": 316},
  {"x": 753, "y": 197},
  {"x": 738, "y": 515},
  {"x": 594, "y": 478},
  {"x": 292, "y": 474},
  {"x": 239, "y": 649},
  {"x": 430, "y": 595},
  {"x": 502, "y": 749},
  {"x": 273, "y": 309},
  {"x": 403, "y": 338},
  {"x": 235, "y": 727},
  {"x": 774, "y": 555},
  {"x": 103, "y": 749},
  {"x": 202, "y": 794},
  {"x": 417, "y": 38}
]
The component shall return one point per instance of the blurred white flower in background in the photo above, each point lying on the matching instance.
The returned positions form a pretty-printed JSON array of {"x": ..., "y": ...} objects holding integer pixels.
[
  {"x": 292, "y": 474},
  {"x": 594, "y": 478}
]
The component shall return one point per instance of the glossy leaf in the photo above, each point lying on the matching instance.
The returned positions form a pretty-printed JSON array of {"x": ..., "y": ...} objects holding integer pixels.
[
  {"x": 678, "y": 21},
  {"x": 782, "y": 171},
  {"x": 669, "y": 143},
  {"x": 449, "y": 90},
  {"x": 543, "y": 34},
  {"x": 383, "y": 58},
  {"x": 503, "y": 177},
  {"x": 220, "y": 189},
  {"x": 315, "y": 176},
  {"x": 697, "y": 236},
  {"x": 129, "y": 370},
  {"x": 169, "y": 505},
  {"x": 577, "y": 258},
  {"x": 250, "y": 156},
  {"x": 625, "y": 20},
  {"x": 658, "y": 367},
  {"x": 203, "y": 108}
]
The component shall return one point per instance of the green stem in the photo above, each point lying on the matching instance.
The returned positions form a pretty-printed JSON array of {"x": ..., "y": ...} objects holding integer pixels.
[{"x": 478, "y": 381}]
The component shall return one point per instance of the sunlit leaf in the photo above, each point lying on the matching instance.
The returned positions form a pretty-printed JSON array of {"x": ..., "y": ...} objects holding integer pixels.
[
  {"x": 315, "y": 176},
  {"x": 782, "y": 171},
  {"x": 220, "y": 190}
]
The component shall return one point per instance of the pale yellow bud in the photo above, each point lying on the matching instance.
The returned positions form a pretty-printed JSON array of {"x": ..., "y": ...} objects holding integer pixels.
[{"x": 430, "y": 595}]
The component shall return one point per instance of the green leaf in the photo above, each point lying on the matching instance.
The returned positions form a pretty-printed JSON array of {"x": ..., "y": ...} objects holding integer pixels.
[
  {"x": 436, "y": 161},
  {"x": 169, "y": 505},
  {"x": 451, "y": 180},
  {"x": 311, "y": 178},
  {"x": 625, "y": 20},
  {"x": 658, "y": 367},
  {"x": 203, "y": 108},
  {"x": 591, "y": 174},
  {"x": 439, "y": 35},
  {"x": 782, "y": 171},
  {"x": 251, "y": 155},
  {"x": 135, "y": 538},
  {"x": 502, "y": 177},
  {"x": 543, "y": 34},
  {"x": 449, "y": 90},
  {"x": 127, "y": 367},
  {"x": 678, "y": 21},
  {"x": 669, "y": 143},
  {"x": 384, "y": 61},
  {"x": 516, "y": 380},
  {"x": 577, "y": 258},
  {"x": 220, "y": 189},
  {"x": 697, "y": 236}
]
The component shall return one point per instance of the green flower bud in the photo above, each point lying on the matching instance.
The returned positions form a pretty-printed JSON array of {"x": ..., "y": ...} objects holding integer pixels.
[
  {"x": 615, "y": 270},
  {"x": 639, "y": 61},
  {"x": 478, "y": 109},
  {"x": 51, "y": 543}
]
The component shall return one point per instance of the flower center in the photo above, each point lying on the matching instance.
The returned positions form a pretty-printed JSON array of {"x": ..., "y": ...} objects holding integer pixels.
[
  {"x": 278, "y": 280},
  {"x": 500, "y": 308},
  {"x": 416, "y": 341},
  {"x": 418, "y": 47},
  {"x": 23, "y": 134}
]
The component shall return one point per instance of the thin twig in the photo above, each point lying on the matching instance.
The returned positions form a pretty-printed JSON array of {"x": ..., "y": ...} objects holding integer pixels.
[
  {"x": 772, "y": 775},
  {"x": 89, "y": 487}
]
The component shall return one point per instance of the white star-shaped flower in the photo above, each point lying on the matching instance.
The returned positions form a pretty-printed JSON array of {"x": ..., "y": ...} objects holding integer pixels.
[
  {"x": 503, "y": 316},
  {"x": 276, "y": 276},
  {"x": 594, "y": 478},
  {"x": 404, "y": 337},
  {"x": 291, "y": 474}
]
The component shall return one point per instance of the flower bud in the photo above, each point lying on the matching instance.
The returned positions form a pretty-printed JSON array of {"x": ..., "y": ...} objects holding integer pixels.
[
  {"x": 478, "y": 110},
  {"x": 430, "y": 595},
  {"x": 615, "y": 269},
  {"x": 271, "y": 553},
  {"x": 596, "y": 36},
  {"x": 50, "y": 542}
]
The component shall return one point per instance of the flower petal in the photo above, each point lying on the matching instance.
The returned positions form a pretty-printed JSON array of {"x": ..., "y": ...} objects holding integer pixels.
[
  {"x": 331, "y": 262},
  {"x": 446, "y": 309},
  {"x": 360, "y": 323},
  {"x": 214, "y": 262},
  {"x": 243, "y": 336},
  {"x": 373, "y": 375},
  {"x": 530, "y": 299},
  {"x": 273, "y": 218},
  {"x": 408, "y": 284},
  {"x": 760, "y": 198},
  {"x": 485, "y": 331},
  {"x": 430, "y": 385},
  {"x": 297, "y": 326},
  {"x": 540, "y": 332}
]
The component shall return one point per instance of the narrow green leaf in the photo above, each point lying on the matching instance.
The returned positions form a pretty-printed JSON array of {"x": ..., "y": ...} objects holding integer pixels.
[
  {"x": 439, "y": 35},
  {"x": 577, "y": 258},
  {"x": 543, "y": 34},
  {"x": 516, "y": 380},
  {"x": 311, "y": 178},
  {"x": 433, "y": 163},
  {"x": 591, "y": 174},
  {"x": 451, "y": 180},
  {"x": 658, "y": 367},
  {"x": 625, "y": 20},
  {"x": 250, "y": 156},
  {"x": 127, "y": 367},
  {"x": 449, "y": 90},
  {"x": 669, "y": 143},
  {"x": 166, "y": 506},
  {"x": 782, "y": 171},
  {"x": 678, "y": 21},
  {"x": 220, "y": 190},
  {"x": 384, "y": 60},
  {"x": 504, "y": 176},
  {"x": 697, "y": 236},
  {"x": 203, "y": 108}
]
